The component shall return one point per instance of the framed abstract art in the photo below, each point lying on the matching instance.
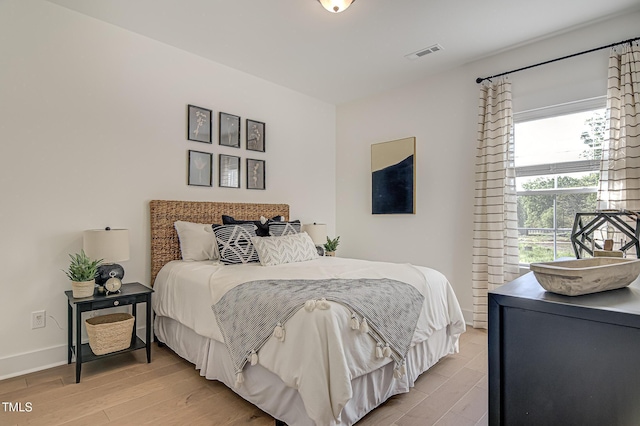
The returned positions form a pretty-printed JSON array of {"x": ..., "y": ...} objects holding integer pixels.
[{"x": 393, "y": 177}]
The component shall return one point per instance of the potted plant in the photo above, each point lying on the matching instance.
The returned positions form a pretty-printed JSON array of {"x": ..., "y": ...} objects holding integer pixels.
[
  {"x": 331, "y": 246},
  {"x": 82, "y": 273}
]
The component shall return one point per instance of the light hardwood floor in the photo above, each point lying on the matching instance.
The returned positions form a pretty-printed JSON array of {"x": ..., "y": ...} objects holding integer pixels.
[{"x": 125, "y": 390}]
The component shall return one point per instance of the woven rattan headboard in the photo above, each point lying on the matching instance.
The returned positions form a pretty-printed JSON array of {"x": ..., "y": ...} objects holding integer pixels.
[{"x": 165, "y": 245}]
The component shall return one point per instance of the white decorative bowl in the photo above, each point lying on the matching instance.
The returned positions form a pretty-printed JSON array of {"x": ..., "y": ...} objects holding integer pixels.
[{"x": 585, "y": 276}]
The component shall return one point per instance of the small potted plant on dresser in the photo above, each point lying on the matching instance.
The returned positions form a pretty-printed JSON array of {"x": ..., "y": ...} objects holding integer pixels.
[
  {"x": 82, "y": 273},
  {"x": 331, "y": 246}
]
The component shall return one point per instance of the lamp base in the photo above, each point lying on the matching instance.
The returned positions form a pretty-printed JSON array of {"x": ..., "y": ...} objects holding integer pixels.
[{"x": 109, "y": 270}]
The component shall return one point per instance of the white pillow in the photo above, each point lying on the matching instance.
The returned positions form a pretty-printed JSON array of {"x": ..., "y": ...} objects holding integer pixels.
[
  {"x": 285, "y": 249},
  {"x": 197, "y": 241}
]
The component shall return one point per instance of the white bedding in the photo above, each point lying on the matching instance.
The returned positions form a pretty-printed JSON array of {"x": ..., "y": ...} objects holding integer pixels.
[{"x": 321, "y": 355}]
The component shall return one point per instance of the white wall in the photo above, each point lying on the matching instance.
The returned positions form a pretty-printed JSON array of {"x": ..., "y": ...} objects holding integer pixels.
[
  {"x": 441, "y": 112},
  {"x": 92, "y": 127}
]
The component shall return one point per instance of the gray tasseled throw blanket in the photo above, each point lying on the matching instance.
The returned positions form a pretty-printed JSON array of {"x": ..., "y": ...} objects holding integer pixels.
[{"x": 251, "y": 312}]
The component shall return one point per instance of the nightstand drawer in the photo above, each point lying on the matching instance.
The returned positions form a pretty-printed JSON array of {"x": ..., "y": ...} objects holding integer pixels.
[{"x": 110, "y": 303}]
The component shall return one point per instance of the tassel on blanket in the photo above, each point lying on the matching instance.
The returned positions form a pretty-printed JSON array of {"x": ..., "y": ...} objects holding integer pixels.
[
  {"x": 253, "y": 358},
  {"x": 239, "y": 379},
  {"x": 386, "y": 351},
  {"x": 310, "y": 305},
  {"x": 355, "y": 323},
  {"x": 278, "y": 332},
  {"x": 396, "y": 373},
  {"x": 399, "y": 371},
  {"x": 379, "y": 351},
  {"x": 364, "y": 326},
  {"x": 322, "y": 304}
]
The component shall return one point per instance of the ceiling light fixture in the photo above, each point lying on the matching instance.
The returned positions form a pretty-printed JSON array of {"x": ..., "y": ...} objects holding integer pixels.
[{"x": 336, "y": 6}]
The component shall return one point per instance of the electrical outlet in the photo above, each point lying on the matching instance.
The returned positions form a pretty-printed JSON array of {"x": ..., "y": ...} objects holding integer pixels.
[{"x": 38, "y": 319}]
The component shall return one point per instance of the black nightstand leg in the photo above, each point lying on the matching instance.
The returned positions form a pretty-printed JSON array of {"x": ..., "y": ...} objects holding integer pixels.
[
  {"x": 134, "y": 312},
  {"x": 149, "y": 325},
  {"x": 78, "y": 344},
  {"x": 69, "y": 331}
]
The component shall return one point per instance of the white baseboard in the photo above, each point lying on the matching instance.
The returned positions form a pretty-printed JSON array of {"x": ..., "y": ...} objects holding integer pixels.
[
  {"x": 29, "y": 362},
  {"x": 41, "y": 359}
]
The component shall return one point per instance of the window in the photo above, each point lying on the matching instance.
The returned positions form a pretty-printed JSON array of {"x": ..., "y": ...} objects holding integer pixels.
[{"x": 557, "y": 160}]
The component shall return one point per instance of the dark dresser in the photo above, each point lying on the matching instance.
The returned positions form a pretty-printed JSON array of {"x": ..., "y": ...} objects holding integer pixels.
[{"x": 561, "y": 360}]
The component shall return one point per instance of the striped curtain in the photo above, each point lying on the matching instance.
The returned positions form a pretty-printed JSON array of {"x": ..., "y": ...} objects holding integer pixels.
[
  {"x": 495, "y": 239},
  {"x": 620, "y": 165}
]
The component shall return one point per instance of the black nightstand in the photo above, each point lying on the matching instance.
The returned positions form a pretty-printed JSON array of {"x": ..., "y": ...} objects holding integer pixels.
[{"x": 130, "y": 294}]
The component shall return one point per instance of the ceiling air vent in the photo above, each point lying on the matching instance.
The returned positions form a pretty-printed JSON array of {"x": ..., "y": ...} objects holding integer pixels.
[{"x": 424, "y": 52}]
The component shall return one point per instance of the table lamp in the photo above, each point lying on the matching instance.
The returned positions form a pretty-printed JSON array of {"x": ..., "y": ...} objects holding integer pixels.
[
  {"x": 318, "y": 234},
  {"x": 110, "y": 245}
]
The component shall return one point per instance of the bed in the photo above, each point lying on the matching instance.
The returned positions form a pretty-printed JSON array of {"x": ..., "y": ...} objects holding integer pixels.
[{"x": 326, "y": 371}]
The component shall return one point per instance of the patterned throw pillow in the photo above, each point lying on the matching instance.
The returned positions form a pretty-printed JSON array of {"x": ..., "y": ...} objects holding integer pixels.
[
  {"x": 262, "y": 229},
  {"x": 234, "y": 243},
  {"x": 286, "y": 249},
  {"x": 262, "y": 225},
  {"x": 278, "y": 229}
]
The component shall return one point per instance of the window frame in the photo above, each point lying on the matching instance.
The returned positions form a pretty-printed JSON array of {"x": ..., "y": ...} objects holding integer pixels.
[{"x": 547, "y": 169}]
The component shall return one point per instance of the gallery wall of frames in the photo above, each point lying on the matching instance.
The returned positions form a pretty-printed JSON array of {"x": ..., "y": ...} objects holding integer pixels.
[{"x": 229, "y": 170}]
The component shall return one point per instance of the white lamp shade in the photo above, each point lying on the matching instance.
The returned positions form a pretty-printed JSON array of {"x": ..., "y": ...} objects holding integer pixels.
[
  {"x": 336, "y": 6},
  {"x": 109, "y": 245},
  {"x": 317, "y": 232}
]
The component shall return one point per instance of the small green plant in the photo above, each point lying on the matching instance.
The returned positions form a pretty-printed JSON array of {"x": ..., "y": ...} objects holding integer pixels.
[
  {"x": 82, "y": 268},
  {"x": 332, "y": 245}
]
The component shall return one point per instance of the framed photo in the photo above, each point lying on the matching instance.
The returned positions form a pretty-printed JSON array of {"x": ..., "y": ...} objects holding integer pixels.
[
  {"x": 199, "y": 124},
  {"x": 229, "y": 130},
  {"x": 255, "y": 174},
  {"x": 200, "y": 168},
  {"x": 255, "y": 135},
  {"x": 229, "y": 169},
  {"x": 393, "y": 177}
]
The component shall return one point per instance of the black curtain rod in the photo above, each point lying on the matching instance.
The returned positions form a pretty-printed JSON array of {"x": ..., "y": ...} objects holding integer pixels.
[{"x": 631, "y": 40}]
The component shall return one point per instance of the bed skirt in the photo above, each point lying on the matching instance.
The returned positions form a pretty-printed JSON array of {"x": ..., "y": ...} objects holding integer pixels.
[{"x": 268, "y": 392}]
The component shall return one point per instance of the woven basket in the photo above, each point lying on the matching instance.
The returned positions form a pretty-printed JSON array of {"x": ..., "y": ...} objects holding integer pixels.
[
  {"x": 83, "y": 288},
  {"x": 109, "y": 333}
]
